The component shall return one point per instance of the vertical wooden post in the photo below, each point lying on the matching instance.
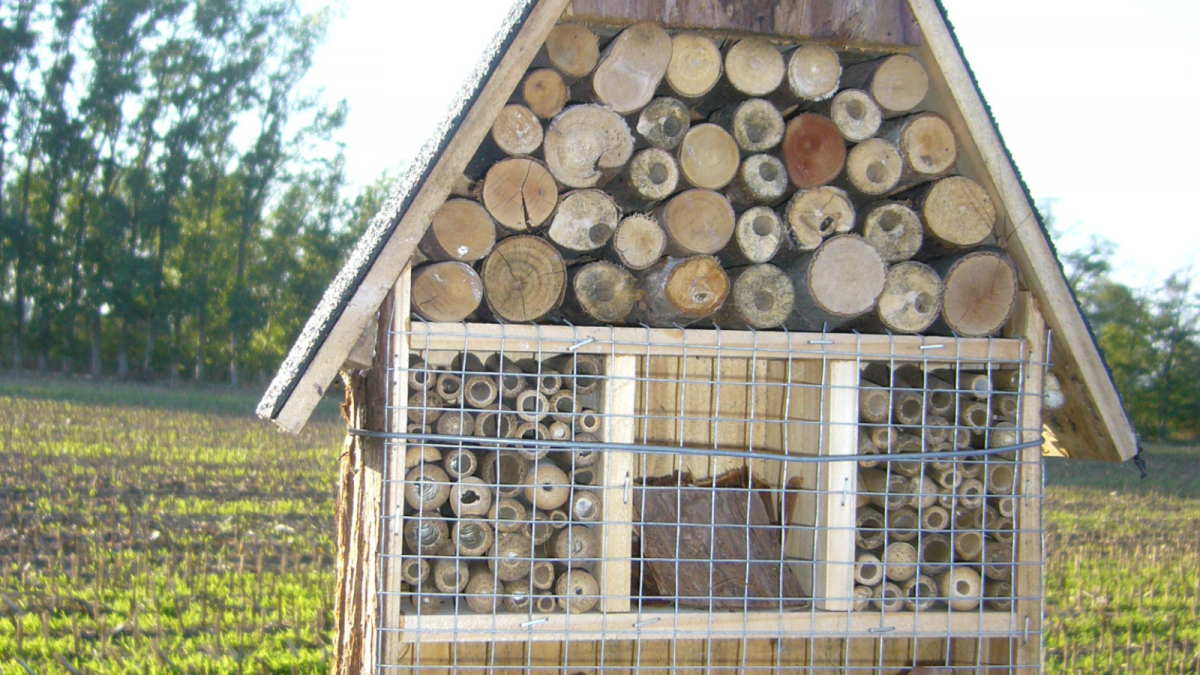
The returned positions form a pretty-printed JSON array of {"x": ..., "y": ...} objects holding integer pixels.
[
  {"x": 1027, "y": 650},
  {"x": 613, "y": 572}
]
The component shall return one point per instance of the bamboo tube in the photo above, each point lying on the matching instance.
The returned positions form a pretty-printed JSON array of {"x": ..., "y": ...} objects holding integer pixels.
[
  {"x": 868, "y": 570},
  {"x": 573, "y": 49},
  {"x": 585, "y": 506},
  {"x": 650, "y": 177},
  {"x": 519, "y": 193},
  {"x": 903, "y": 524},
  {"x": 888, "y": 491},
  {"x": 425, "y": 532},
  {"x": 956, "y": 211},
  {"x": 563, "y": 406},
  {"x": 936, "y": 553},
  {"x": 511, "y": 556},
  {"x": 517, "y": 130},
  {"x": 532, "y": 406},
  {"x": 456, "y": 423},
  {"x": 460, "y": 463},
  {"x": 839, "y": 281},
  {"x": 545, "y": 603},
  {"x": 862, "y": 598},
  {"x": 867, "y": 447},
  {"x": 937, "y": 428},
  {"x": 582, "y": 374},
  {"x": 517, "y": 598},
  {"x": 495, "y": 425},
  {"x": 446, "y": 292},
  {"x": 869, "y": 529},
  {"x": 813, "y": 150},
  {"x": 813, "y": 215},
  {"x": 874, "y": 167},
  {"x": 925, "y": 493},
  {"x": 584, "y": 476},
  {"x": 681, "y": 291},
  {"x": 755, "y": 125},
  {"x": 708, "y": 157},
  {"x": 579, "y": 458},
  {"x": 919, "y": 593},
  {"x": 470, "y": 496},
  {"x": 663, "y": 123},
  {"x": 426, "y": 600},
  {"x": 888, "y": 597},
  {"x": 525, "y": 279},
  {"x": 420, "y": 376},
  {"x": 948, "y": 479},
  {"x": 971, "y": 469},
  {"x": 503, "y": 470},
  {"x": 578, "y": 591},
  {"x": 533, "y": 431},
  {"x": 586, "y": 145},
  {"x": 545, "y": 92},
  {"x": 584, "y": 222},
  {"x": 1001, "y": 479},
  {"x": 601, "y": 292},
  {"x": 450, "y": 575},
  {"x": 908, "y": 444},
  {"x": 542, "y": 576},
  {"x": 935, "y": 518},
  {"x": 415, "y": 454},
  {"x": 508, "y": 514},
  {"x": 760, "y": 179},
  {"x": 761, "y": 298},
  {"x": 754, "y": 67},
  {"x": 696, "y": 222},
  {"x": 547, "y": 487},
  {"x": 480, "y": 392},
  {"x": 854, "y": 113},
  {"x": 639, "y": 241},
  {"x": 512, "y": 378},
  {"x": 426, "y": 487},
  {"x": 968, "y": 545},
  {"x": 1005, "y": 506},
  {"x": 414, "y": 571},
  {"x": 970, "y": 493},
  {"x": 926, "y": 144},
  {"x": 884, "y": 438},
  {"x": 449, "y": 387},
  {"x": 874, "y": 404},
  {"x": 893, "y": 229},
  {"x": 1006, "y": 406},
  {"x": 980, "y": 291},
  {"x": 461, "y": 230},
  {"x": 900, "y": 561},
  {"x": 695, "y": 66},
  {"x": 974, "y": 416},
  {"x": 538, "y": 528},
  {"x": 999, "y": 563},
  {"x": 999, "y": 595},
  {"x": 631, "y": 67},
  {"x": 483, "y": 591},
  {"x": 574, "y": 544},
  {"x": 473, "y": 538},
  {"x": 898, "y": 83},
  {"x": 963, "y": 587},
  {"x": 908, "y": 407},
  {"x": 559, "y": 519}
]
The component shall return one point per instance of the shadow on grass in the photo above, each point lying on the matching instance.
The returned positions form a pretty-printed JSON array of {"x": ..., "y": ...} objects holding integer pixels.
[{"x": 1171, "y": 470}]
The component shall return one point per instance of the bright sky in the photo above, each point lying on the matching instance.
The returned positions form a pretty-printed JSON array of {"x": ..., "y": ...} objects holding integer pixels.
[{"x": 1067, "y": 80}]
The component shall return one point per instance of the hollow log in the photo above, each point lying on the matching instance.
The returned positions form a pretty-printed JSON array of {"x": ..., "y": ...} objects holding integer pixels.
[
  {"x": 696, "y": 222},
  {"x": 813, "y": 150},
  {"x": 663, "y": 123},
  {"x": 839, "y": 281},
  {"x": 893, "y": 229},
  {"x": 812, "y": 215},
  {"x": 926, "y": 144},
  {"x": 631, "y": 68},
  {"x": 520, "y": 193},
  {"x": 897, "y": 83},
  {"x": 650, "y": 177},
  {"x": 980, "y": 291},
  {"x": 761, "y": 297},
  {"x": 584, "y": 222},
  {"x": 639, "y": 241},
  {"x": 680, "y": 291},
  {"x": 911, "y": 300},
  {"x": 586, "y": 145},
  {"x": 754, "y": 124},
  {"x": 757, "y": 237},
  {"x": 855, "y": 114},
  {"x": 446, "y": 291},
  {"x": 601, "y": 292},
  {"x": 761, "y": 179},
  {"x": 524, "y": 279},
  {"x": 874, "y": 167},
  {"x": 708, "y": 157},
  {"x": 460, "y": 230}
]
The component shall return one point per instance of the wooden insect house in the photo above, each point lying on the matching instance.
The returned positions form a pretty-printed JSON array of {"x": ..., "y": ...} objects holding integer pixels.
[{"x": 705, "y": 334}]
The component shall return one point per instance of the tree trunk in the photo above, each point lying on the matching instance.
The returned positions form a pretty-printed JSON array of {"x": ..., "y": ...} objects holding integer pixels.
[
  {"x": 839, "y": 281},
  {"x": 873, "y": 168},
  {"x": 148, "y": 355},
  {"x": 95, "y": 331},
  {"x": 233, "y": 360},
  {"x": 198, "y": 371},
  {"x": 754, "y": 67},
  {"x": 813, "y": 73},
  {"x": 122, "y": 350},
  {"x": 755, "y": 125},
  {"x": 680, "y": 291},
  {"x": 176, "y": 346}
]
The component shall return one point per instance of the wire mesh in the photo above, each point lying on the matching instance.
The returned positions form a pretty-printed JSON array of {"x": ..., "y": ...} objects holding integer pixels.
[{"x": 564, "y": 501}]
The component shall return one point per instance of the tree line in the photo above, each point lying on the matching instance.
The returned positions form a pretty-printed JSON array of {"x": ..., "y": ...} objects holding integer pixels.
[{"x": 172, "y": 198}]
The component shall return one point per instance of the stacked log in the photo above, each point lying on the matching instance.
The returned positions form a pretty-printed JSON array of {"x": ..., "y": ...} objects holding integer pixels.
[
  {"x": 936, "y": 533},
  {"x": 490, "y": 519},
  {"x": 752, "y": 153}
]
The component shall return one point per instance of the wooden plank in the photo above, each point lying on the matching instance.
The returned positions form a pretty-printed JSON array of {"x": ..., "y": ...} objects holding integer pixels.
[
  {"x": 616, "y": 534},
  {"x": 876, "y": 22},
  {"x": 709, "y": 343},
  {"x": 1092, "y": 424},
  {"x": 1028, "y": 578},
  {"x": 391, "y": 601},
  {"x": 398, "y": 250}
]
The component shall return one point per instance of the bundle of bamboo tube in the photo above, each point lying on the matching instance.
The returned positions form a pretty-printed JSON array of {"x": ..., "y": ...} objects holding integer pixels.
[
  {"x": 497, "y": 522},
  {"x": 670, "y": 179},
  {"x": 936, "y": 532}
]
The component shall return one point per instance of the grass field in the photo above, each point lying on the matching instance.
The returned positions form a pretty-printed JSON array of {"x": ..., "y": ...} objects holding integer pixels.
[{"x": 151, "y": 530}]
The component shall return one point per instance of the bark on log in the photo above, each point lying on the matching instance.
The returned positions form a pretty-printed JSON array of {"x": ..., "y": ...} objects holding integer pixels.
[
  {"x": 584, "y": 222},
  {"x": 680, "y": 291},
  {"x": 571, "y": 48},
  {"x": 586, "y": 145},
  {"x": 956, "y": 211},
  {"x": 696, "y": 222},
  {"x": 519, "y": 193},
  {"x": 650, "y": 177},
  {"x": 761, "y": 297},
  {"x": 446, "y": 291},
  {"x": 602, "y": 292},
  {"x": 756, "y": 125},
  {"x": 897, "y": 83},
  {"x": 981, "y": 291},
  {"x": 839, "y": 281},
  {"x": 757, "y": 237},
  {"x": 926, "y": 144},
  {"x": 855, "y": 114},
  {"x": 911, "y": 300},
  {"x": 874, "y": 167},
  {"x": 708, "y": 157},
  {"x": 761, "y": 179},
  {"x": 813, "y": 150},
  {"x": 813, "y": 215},
  {"x": 460, "y": 230},
  {"x": 545, "y": 92},
  {"x": 754, "y": 67},
  {"x": 631, "y": 68},
  {"x": 663, "y": 123},
  {"x": 695, "y": 66},
  {"x": 517, "y": 130},
  {"x": 524, "y": 278},
  {"x": 639, "y": 241},
  {"x": 813, "y": 73},
  {"x": 893, "y": 229}
]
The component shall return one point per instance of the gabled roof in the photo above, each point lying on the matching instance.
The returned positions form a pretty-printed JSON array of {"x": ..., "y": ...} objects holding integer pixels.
[{"x": 1093, "y": 424}]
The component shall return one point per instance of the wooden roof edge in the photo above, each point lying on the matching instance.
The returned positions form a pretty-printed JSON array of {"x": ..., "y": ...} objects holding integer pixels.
[{"x": 1093, "y": 423}]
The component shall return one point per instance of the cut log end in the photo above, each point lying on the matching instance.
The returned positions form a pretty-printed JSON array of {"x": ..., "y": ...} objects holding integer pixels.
[
  {"x": 813, "y": 215},
  {"x": 586, "y": 145},
  {"x": 631, "y": 67},
  {"x": 604, "y": 292},
  {"x": 708, "y": 157},
  {"x": 874, "y": 167},
  {"x": 584, "y": 221},
  {"x": 446, "y": 291},
  {"x": 813, "y": 72},
  {"x": 519, "y": 193},
  {"x": 639, "y": 241},
  {"x": 761, "y": 297},
  {"x": 651, "y": 176},
  {"x": 958, "y": 211},
  {"x": 894, "y": 230},
  {"x": 525, "y": 279},
  {"x": 911, "y": 298},
  {"x": 517, "y": 130},
  {"x": 545, "y": 92},
  {"x": 928, "y": 145},
  {"x": 754, "y": 67},
  {"x": 758, "y": 235},
  {"x": 756, "y": 125},
  {"x": 856, "y": 115},
  {"x": 813, "y": 150},
  {"x": 573, "y": 49},
  {"x": 664, "y": 122},
  {"x": 697, "y": 287},
  {"x": 981, "y": 291},
  {"x": 842, "y": 279},
  {"x": 460, "y": 230},
  {"x": 695, "y": 66},
  {"x": 761, "y": 179},
  {"x": 900, "y": 83},
  {"x": 697, "y": 222}
]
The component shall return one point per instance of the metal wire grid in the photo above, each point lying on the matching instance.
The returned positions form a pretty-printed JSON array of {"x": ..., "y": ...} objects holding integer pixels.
[{"x": 782, "y": 423}]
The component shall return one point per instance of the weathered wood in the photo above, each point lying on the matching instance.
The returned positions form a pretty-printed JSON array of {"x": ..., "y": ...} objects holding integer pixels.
[
  {"x": 926, "y": 144},
  {"x": 755, "y": 124},
  {"x": 545, "y": 93},
  {"x": 631, "y": 67},
  {"x": 517, "y": 130},
  {"x": 519, "y": 193},
  {"x": 813, "y": 150},
  {"x": 680, "y": 291},
  {"x": 663, "y": 123},
  {"x": 695, "y": 67},
  {"x": 584, "y": 222},
  {"x": 813, "y": 73},
  {"x": 956, "y": 211},
  {"x": 874, "y": 167},
  {"x": 761, "y": 179},
  {"x": 650, "y": 177},
  {"x": 813, "y": 215},
  {"x": 708, "y": 157},
  {"x": 981, "y": 290},
  {"x": 839, "y": 281},
  {"x": 855, "y": 114},
  {"x": 911, "y": 300},
  {"x": 524, "y": 279},
  {"x": 897, "y": 83},
  {"x": 893, "y": 229},
  {"x": 446, "y": 291},
  {"x": 460, "y": 230},
  {"x": 696, "y": 222},
  {"x": 639, "y": 241},
  {"x": 586, "y": 145},
  {"x": 757, "y": 237},
  {"x": 761, "y": 297},
  {"x": 754, "y": 67},
  {"x": 572, "y": 49},
  {"x": 602, "y": 292}
]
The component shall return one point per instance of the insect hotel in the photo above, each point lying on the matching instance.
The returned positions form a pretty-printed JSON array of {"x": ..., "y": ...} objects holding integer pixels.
[{"x": 705, "y": 334}]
